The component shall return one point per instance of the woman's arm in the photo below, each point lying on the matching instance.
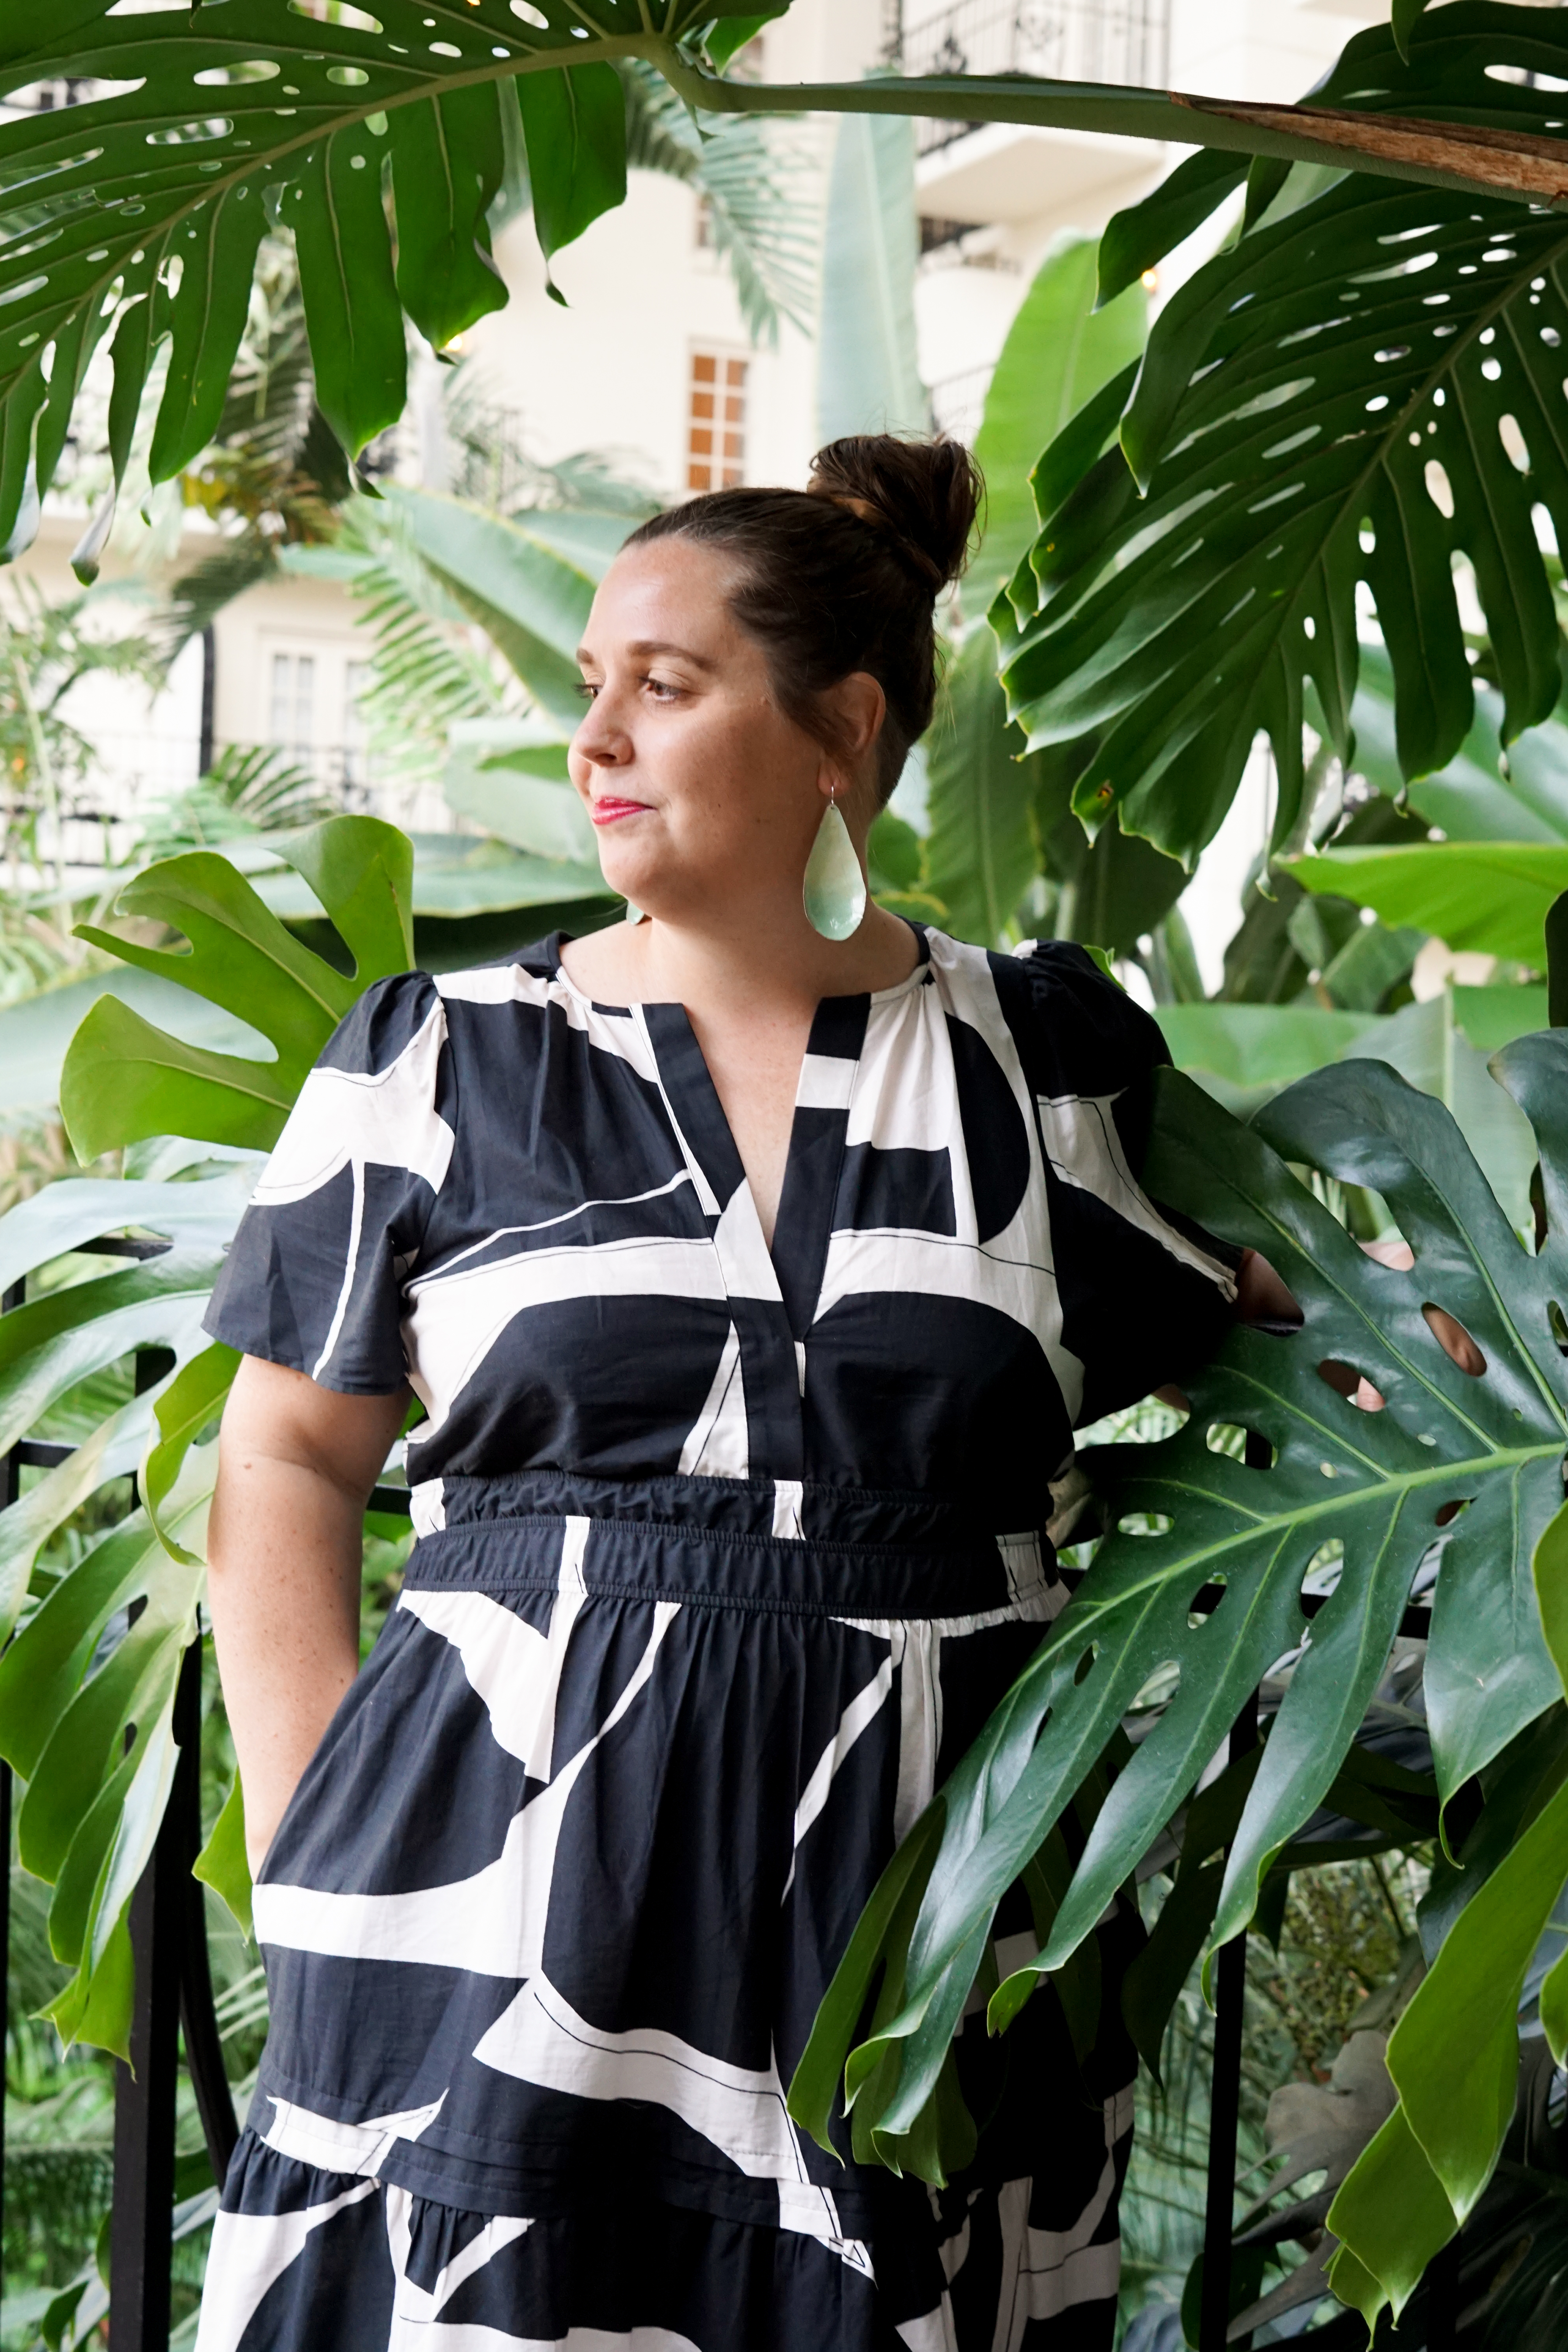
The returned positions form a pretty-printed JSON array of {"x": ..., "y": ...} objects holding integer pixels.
[{"x": 297, "y": 1464}]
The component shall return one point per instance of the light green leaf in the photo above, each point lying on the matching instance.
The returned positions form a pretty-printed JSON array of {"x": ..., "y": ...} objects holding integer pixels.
[
  {"x": 1392, "y": 2217},
  {"x": 868, "y": 375},
  {"x": 222, "y": 1863},
  {"x": 192, "y": 1399},
  {"x": 1059, "y": 352},
  {"x": 516, "y": 580},
  {"x": 1471, "y": 798},
  {"x": 514, "y": 785},
  {"x": 125, "y": 1080},
  {"x": 1490, "y": 896},
  {"x": 982, "y": 853}
]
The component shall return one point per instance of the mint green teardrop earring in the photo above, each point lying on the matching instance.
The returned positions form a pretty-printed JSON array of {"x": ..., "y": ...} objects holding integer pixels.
[{"x": 834, "y": 888}]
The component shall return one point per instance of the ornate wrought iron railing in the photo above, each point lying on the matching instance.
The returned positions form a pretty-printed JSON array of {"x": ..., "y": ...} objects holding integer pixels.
[{"x": 1071, "y": 40}]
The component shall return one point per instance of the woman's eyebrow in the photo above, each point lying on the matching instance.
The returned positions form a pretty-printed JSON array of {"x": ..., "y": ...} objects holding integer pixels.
[{"x": 644, "y": 647}]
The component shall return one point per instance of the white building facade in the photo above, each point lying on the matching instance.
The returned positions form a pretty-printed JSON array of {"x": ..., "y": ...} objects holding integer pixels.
[{"x": 651, "y": 364}]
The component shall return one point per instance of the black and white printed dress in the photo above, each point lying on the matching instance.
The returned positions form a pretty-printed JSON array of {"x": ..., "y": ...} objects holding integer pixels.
[{"x": 723, "y": 1557}]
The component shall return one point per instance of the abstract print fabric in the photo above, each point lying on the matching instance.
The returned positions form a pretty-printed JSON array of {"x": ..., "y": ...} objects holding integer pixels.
[{"x": 724, "y": 1555}]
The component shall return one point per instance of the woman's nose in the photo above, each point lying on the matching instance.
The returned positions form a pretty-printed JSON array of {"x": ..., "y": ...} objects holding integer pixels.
[{"x": 600, "y": 740}]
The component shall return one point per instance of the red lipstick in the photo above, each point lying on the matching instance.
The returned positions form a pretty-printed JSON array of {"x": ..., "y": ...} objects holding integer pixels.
[{"x": 610, "y": 811}]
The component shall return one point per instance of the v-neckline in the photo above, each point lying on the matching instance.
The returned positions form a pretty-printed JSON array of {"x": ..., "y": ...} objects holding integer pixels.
[{"x": 794, "y": 1263}]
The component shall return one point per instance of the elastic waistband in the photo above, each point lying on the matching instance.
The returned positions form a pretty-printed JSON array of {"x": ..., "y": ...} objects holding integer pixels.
[{"x": 772, "y": 1545}]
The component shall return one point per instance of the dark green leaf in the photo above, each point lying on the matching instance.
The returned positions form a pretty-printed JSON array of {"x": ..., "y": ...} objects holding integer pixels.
[
  {"x": 447, "y": 159},
  {"x": 1138, "y": 237},
  {"x": 574, "y": 126},
  {"x": 216, "y": 249},
  {"x": 1374, "y": 1482},
  {"x": 339, "y": 226},
  {"x": 1297, "y": 393}
]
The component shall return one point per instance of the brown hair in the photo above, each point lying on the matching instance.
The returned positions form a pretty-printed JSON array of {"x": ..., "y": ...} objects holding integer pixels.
[{"x": 844, "y": 576}]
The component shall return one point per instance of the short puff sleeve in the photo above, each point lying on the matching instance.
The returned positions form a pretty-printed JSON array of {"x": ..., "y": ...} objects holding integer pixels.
[
  {"x": 314, "y": 1278},
  {"x": 1145, "y": 1292}
]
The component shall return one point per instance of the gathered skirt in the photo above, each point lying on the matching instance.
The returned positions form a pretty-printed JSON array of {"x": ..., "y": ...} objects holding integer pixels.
[{"x": 549, "y": 1917}]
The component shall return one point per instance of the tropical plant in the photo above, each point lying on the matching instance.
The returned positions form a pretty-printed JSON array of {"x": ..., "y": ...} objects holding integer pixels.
[{"x": 171, "y": 257}]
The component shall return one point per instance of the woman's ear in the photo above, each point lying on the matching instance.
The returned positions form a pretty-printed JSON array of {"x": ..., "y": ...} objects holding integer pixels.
[{"x": 857, "y": 708}]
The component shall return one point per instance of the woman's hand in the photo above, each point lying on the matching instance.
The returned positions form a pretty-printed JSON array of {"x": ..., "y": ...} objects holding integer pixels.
[
  {"x": 1263, "y": 1296},
  {"x": 296, "y": 1467}
]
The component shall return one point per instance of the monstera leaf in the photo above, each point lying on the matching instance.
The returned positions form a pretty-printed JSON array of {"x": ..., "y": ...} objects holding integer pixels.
[
  {"x": 87, "y": 1686},
  {"x": 1454, "y": 1473},
  {"x": 1365, "y": 385},
  {"x": 123, "y": 1079},
  {"x": 134, "y": 214}
]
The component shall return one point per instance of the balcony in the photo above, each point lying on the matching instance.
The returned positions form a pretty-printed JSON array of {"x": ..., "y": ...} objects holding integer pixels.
[{"x": 1069, "y": 40}]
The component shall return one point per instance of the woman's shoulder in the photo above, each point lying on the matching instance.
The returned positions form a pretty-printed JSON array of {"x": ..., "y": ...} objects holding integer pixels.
[{"x": 1077, "y": 1028}]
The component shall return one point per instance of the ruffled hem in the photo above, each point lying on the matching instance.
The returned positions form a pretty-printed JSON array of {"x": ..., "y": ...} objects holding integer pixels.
[{"x": 336, "y": 2263}]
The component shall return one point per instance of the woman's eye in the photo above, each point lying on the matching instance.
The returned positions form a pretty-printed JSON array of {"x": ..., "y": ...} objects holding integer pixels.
[
  {"x": 662, "y": 688},
  {"x": 586, "y": 688}
]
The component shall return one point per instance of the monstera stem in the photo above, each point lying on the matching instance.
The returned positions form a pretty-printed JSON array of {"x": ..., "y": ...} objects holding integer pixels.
[{"x": 1478, "y": 160}]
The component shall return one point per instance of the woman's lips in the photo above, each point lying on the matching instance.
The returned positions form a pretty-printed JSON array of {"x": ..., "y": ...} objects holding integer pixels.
[{"x": 610, "y": 811}]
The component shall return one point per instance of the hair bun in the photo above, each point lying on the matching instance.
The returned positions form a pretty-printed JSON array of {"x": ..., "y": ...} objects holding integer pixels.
[{"x": 924, "y": 494}]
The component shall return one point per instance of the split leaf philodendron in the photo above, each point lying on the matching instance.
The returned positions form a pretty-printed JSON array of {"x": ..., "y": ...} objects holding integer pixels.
[
  {"x": 92, "y": 1736},
  {"x": 1455, "y": 1474}
]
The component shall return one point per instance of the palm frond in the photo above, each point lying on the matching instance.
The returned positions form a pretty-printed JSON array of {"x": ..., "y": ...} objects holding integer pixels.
[
  {"x": 425, "y": 673},
  {"x": 764, "y": 215}
]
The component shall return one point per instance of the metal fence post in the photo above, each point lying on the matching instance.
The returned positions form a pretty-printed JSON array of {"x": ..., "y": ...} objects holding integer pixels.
[
  {"x": 10, "y": 1491},
  {"x": 1225, "y": 2101}
]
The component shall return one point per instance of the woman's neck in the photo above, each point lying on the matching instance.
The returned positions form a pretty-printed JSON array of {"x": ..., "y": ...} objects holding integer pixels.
[{"x": 771, "y": 960}]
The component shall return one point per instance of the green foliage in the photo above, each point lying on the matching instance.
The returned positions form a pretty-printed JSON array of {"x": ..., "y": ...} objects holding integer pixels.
[
  {"x": 125, "y": 1080},
  {"x": 86, "y": 1689},
  {"x": 1360, "y": 386},
  {"x": 1488, "y": 895},
  {"x": 1376, "y": 1483},
  {"x": 1454, "y": 2055},
  {"x": 868, "y": 374}
]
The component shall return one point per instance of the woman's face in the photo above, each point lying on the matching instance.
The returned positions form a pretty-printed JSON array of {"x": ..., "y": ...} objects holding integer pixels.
[{"x": 702, "y": 792}]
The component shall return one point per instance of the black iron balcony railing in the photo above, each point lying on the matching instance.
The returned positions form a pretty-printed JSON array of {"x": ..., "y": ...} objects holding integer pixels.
[{"x": 1070, "y": 40}]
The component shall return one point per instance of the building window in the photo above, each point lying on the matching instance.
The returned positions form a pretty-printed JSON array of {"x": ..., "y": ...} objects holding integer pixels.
[
  {"x": 294, "y": 703},
  {"x": 716, "y": 436}
]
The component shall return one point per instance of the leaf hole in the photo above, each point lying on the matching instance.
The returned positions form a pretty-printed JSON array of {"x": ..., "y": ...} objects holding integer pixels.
[
  {"x": 1085, "y": 1666},
  {"x": 1205, "y": 1600},
  {"x": 1439, "y": 489},
  {"x": 1144, "y": 1523},
  {"x": 1454, "y": 1340},
  {"x": 352, "y": 77},
  {"x": 336, "y": 12},
  {"x": 1324, "y": 1570},
  {"x": 530, "y": 14},
  {"x": 1346, "y": 1381},
  {"x": 1558, "y": 1324},
  {"x": 1158, "y": 1690},
  {"x": 1239, "y": 1445},
  {"x": 225, "y": 77},
  {"x": 1513, "y": 441},
  {"x": 1449, "y": 1512}
]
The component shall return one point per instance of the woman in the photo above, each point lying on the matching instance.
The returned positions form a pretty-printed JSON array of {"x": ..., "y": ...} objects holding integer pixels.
[{"x": 752, "y": 1272}]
